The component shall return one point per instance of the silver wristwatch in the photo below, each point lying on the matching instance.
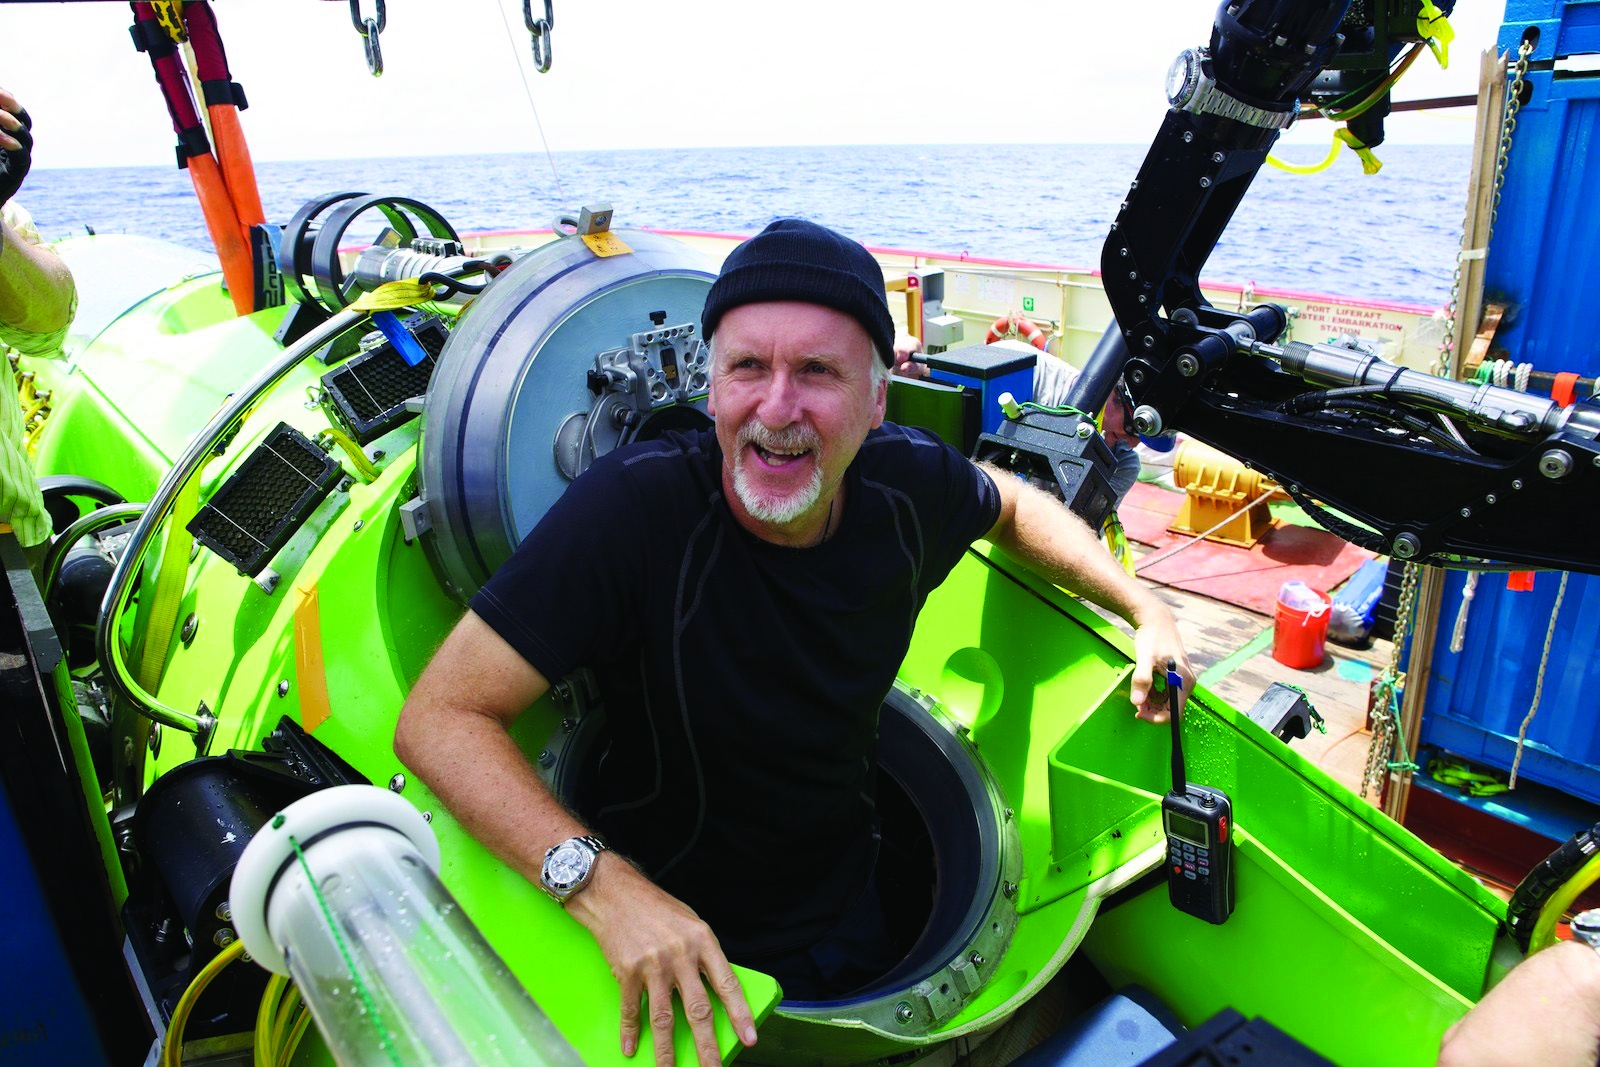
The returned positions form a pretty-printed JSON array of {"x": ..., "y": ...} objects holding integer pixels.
[
  {"x": 1190, "y": 87},
  {"x": 569, "y": 866},
  {"x": 1586, "y": 928}
]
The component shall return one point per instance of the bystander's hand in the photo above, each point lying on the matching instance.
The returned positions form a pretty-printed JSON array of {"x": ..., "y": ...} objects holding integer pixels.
[
  {"x": 1155, "y": 642},
  {"x": 904, "y": 347},
  {"x": 16, "y": 146},
  {"x": 655, "y": 945}
]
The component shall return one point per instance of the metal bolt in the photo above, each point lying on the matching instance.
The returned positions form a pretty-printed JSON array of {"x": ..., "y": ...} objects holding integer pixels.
[
  {"x": 283, "y": 688},
  {"x": 1217, "y": 157},
  {"x": 1556, "y": 463},
  {"x": 1124, "y": 252},
  {"x": 546, "y": 758},
  {"x": 155, "y": 739},
  {"x": 1133, "y": 275},
  {"x": 1294, "y": 488},
  {"x": 1010, "y": 815},
  {"x": 1516, "y": 483},
  {"x": 1149, "y": 341},
  {"x": 976, "y": 959},
  {"x": 190, "y": 625},
  {"x": 1205, "y": 183},
  {"x": 902, "y": 1012},
  {"x": 1407, "y": 546},
  {"x": 1143, "y": 299},
  {"x": 377, "y": 454},
  {"x": 1280, "y": 41},
  {"x": 225, "y": 912},
  {"x": 1133, "y": 185},
  {"x": 1084, "y": 430},
  {"x": 1311, "y": 49},
  {"x": 1188, "y": 365},
  {"x": 397, "y": 783},
  {"x": 562, "y": 693},
  {"x": 358, "y": 525},
  {"x": 1136, "y": 376},
  {"x": 223, "y": 937},
  {"x": 568, "y": 725},
  {"x": 1490, "y": 499},
  {"x": 1008, "y": 889},
  {"x": 1466, "y": 513},
  {"x": 427, "y": 816},
  {"x": 1188, "y": 137}
]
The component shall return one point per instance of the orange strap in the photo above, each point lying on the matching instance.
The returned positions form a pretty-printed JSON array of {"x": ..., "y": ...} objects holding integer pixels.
[
  {"x": 1565, "y": 389},
  {"x": 226, "y": 233},
  {"x": 1520, "y": 581}
]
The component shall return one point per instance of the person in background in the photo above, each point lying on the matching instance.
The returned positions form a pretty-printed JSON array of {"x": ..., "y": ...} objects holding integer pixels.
[
  {"x": 37, "y": 302},
  {"x": 1052, "y": 380}
]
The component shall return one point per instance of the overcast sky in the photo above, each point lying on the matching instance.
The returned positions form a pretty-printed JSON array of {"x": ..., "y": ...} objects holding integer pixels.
[{"x": 655, "y": 74}]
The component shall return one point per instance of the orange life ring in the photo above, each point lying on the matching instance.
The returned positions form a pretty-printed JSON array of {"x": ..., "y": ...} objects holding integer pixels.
[{"x": 1006, "y": 325}]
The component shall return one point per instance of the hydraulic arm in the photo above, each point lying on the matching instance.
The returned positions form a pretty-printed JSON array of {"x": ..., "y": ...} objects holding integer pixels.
[{"x": 1430, "y": 468}]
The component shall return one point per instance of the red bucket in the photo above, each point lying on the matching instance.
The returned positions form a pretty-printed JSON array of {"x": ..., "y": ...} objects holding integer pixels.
[{"x": 1298, "y": 636}]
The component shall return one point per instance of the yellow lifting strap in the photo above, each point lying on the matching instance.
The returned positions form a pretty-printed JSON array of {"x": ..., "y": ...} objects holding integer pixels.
[
  {"x": 1435, "y": 28},
  {"x": 391, "y": 296},
  {"x": 1370, "y": 164}
]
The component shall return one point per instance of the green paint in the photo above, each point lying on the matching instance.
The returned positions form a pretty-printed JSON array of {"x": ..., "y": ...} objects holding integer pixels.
[{"x": 1222, "y": 668}]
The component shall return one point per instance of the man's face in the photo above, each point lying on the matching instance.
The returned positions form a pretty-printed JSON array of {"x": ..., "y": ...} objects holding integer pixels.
[{"x": 793, "y": 394}]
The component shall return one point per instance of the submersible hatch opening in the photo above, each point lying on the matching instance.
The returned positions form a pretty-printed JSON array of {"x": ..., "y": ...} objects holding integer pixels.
[{"x": 940, "y": 863}]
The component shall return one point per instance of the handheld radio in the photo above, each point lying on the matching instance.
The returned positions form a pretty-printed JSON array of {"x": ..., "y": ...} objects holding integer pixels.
[{"x": 1198, "y": 821}]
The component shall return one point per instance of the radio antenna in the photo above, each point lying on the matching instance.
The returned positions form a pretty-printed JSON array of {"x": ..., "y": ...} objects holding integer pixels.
[{"x": 1180, "y": 780}]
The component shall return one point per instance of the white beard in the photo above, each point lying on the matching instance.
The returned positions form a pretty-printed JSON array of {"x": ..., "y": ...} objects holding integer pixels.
[{"x": 782, "y": 510}]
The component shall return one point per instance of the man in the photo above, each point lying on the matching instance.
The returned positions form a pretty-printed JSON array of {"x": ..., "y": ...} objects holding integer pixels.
[
  {"x": 37, "y": 300},
  {"x": 744, "y": 599}
]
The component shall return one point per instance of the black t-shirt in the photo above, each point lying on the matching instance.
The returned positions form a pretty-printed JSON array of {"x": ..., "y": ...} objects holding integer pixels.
[{"x": 741, "y": 679}]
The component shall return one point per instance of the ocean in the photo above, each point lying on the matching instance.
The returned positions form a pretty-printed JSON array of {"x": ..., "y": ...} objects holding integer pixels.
[{"x": 1390, "y": 236}]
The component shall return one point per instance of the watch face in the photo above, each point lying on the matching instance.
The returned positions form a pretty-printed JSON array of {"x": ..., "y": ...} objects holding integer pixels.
[
  {"x": 1182, "y": 77},
  {"x": 567, "y": 864}
]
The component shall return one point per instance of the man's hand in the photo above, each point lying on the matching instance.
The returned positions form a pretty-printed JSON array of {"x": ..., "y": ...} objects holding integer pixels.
[
  {"x": 656, "y": 944},
  {"x": 1155, "y": 642}
]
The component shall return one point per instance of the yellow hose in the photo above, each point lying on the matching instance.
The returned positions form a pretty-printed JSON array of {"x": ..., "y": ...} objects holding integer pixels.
[
  {"x": 1544, "y": 931},
  {"x": 363, "y": 465},
  {"x": 171, "y": 1048},
  {"x": 270, "y": 999},
  {"x": 295, "y": 1033}
]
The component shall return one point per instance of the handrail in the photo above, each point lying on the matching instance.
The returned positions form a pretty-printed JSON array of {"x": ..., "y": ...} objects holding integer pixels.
[{"x": 204, "y": 445}]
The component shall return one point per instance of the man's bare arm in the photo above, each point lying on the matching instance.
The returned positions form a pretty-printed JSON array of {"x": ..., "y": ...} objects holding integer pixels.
[
  {"x": 1037, "y": 529},
  {"x": 453, "y": 734},
  {"x": 1545, "y": 1013}
]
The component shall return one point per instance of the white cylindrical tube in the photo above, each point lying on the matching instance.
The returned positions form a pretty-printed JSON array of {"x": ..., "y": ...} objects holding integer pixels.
[{"x": 339, "y": 891}]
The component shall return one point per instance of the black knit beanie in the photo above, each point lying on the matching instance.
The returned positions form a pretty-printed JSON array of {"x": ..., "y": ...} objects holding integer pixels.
[{"x": 793, "y": 259}]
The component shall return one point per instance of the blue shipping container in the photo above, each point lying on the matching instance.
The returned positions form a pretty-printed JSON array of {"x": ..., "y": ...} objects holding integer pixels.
[{"x": 1544, "y": 264}]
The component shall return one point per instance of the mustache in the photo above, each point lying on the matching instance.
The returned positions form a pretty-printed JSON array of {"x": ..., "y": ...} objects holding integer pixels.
[{"x": 790, "y": 439}]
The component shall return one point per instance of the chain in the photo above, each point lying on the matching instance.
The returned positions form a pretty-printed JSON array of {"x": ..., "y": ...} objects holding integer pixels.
[
  {"x": 1508, "y": 127},
  {"x": 1386, "y": 733},
  {"x": 1386, "y": 693}
]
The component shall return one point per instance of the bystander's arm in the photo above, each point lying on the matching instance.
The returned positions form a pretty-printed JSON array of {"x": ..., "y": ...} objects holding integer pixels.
[
  {"x": 1037, "y": 529},
  {"x": 36, "y": 287},
  {"x": 1545, "y": 1013},
  {"x": 453, "y": 734}
]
